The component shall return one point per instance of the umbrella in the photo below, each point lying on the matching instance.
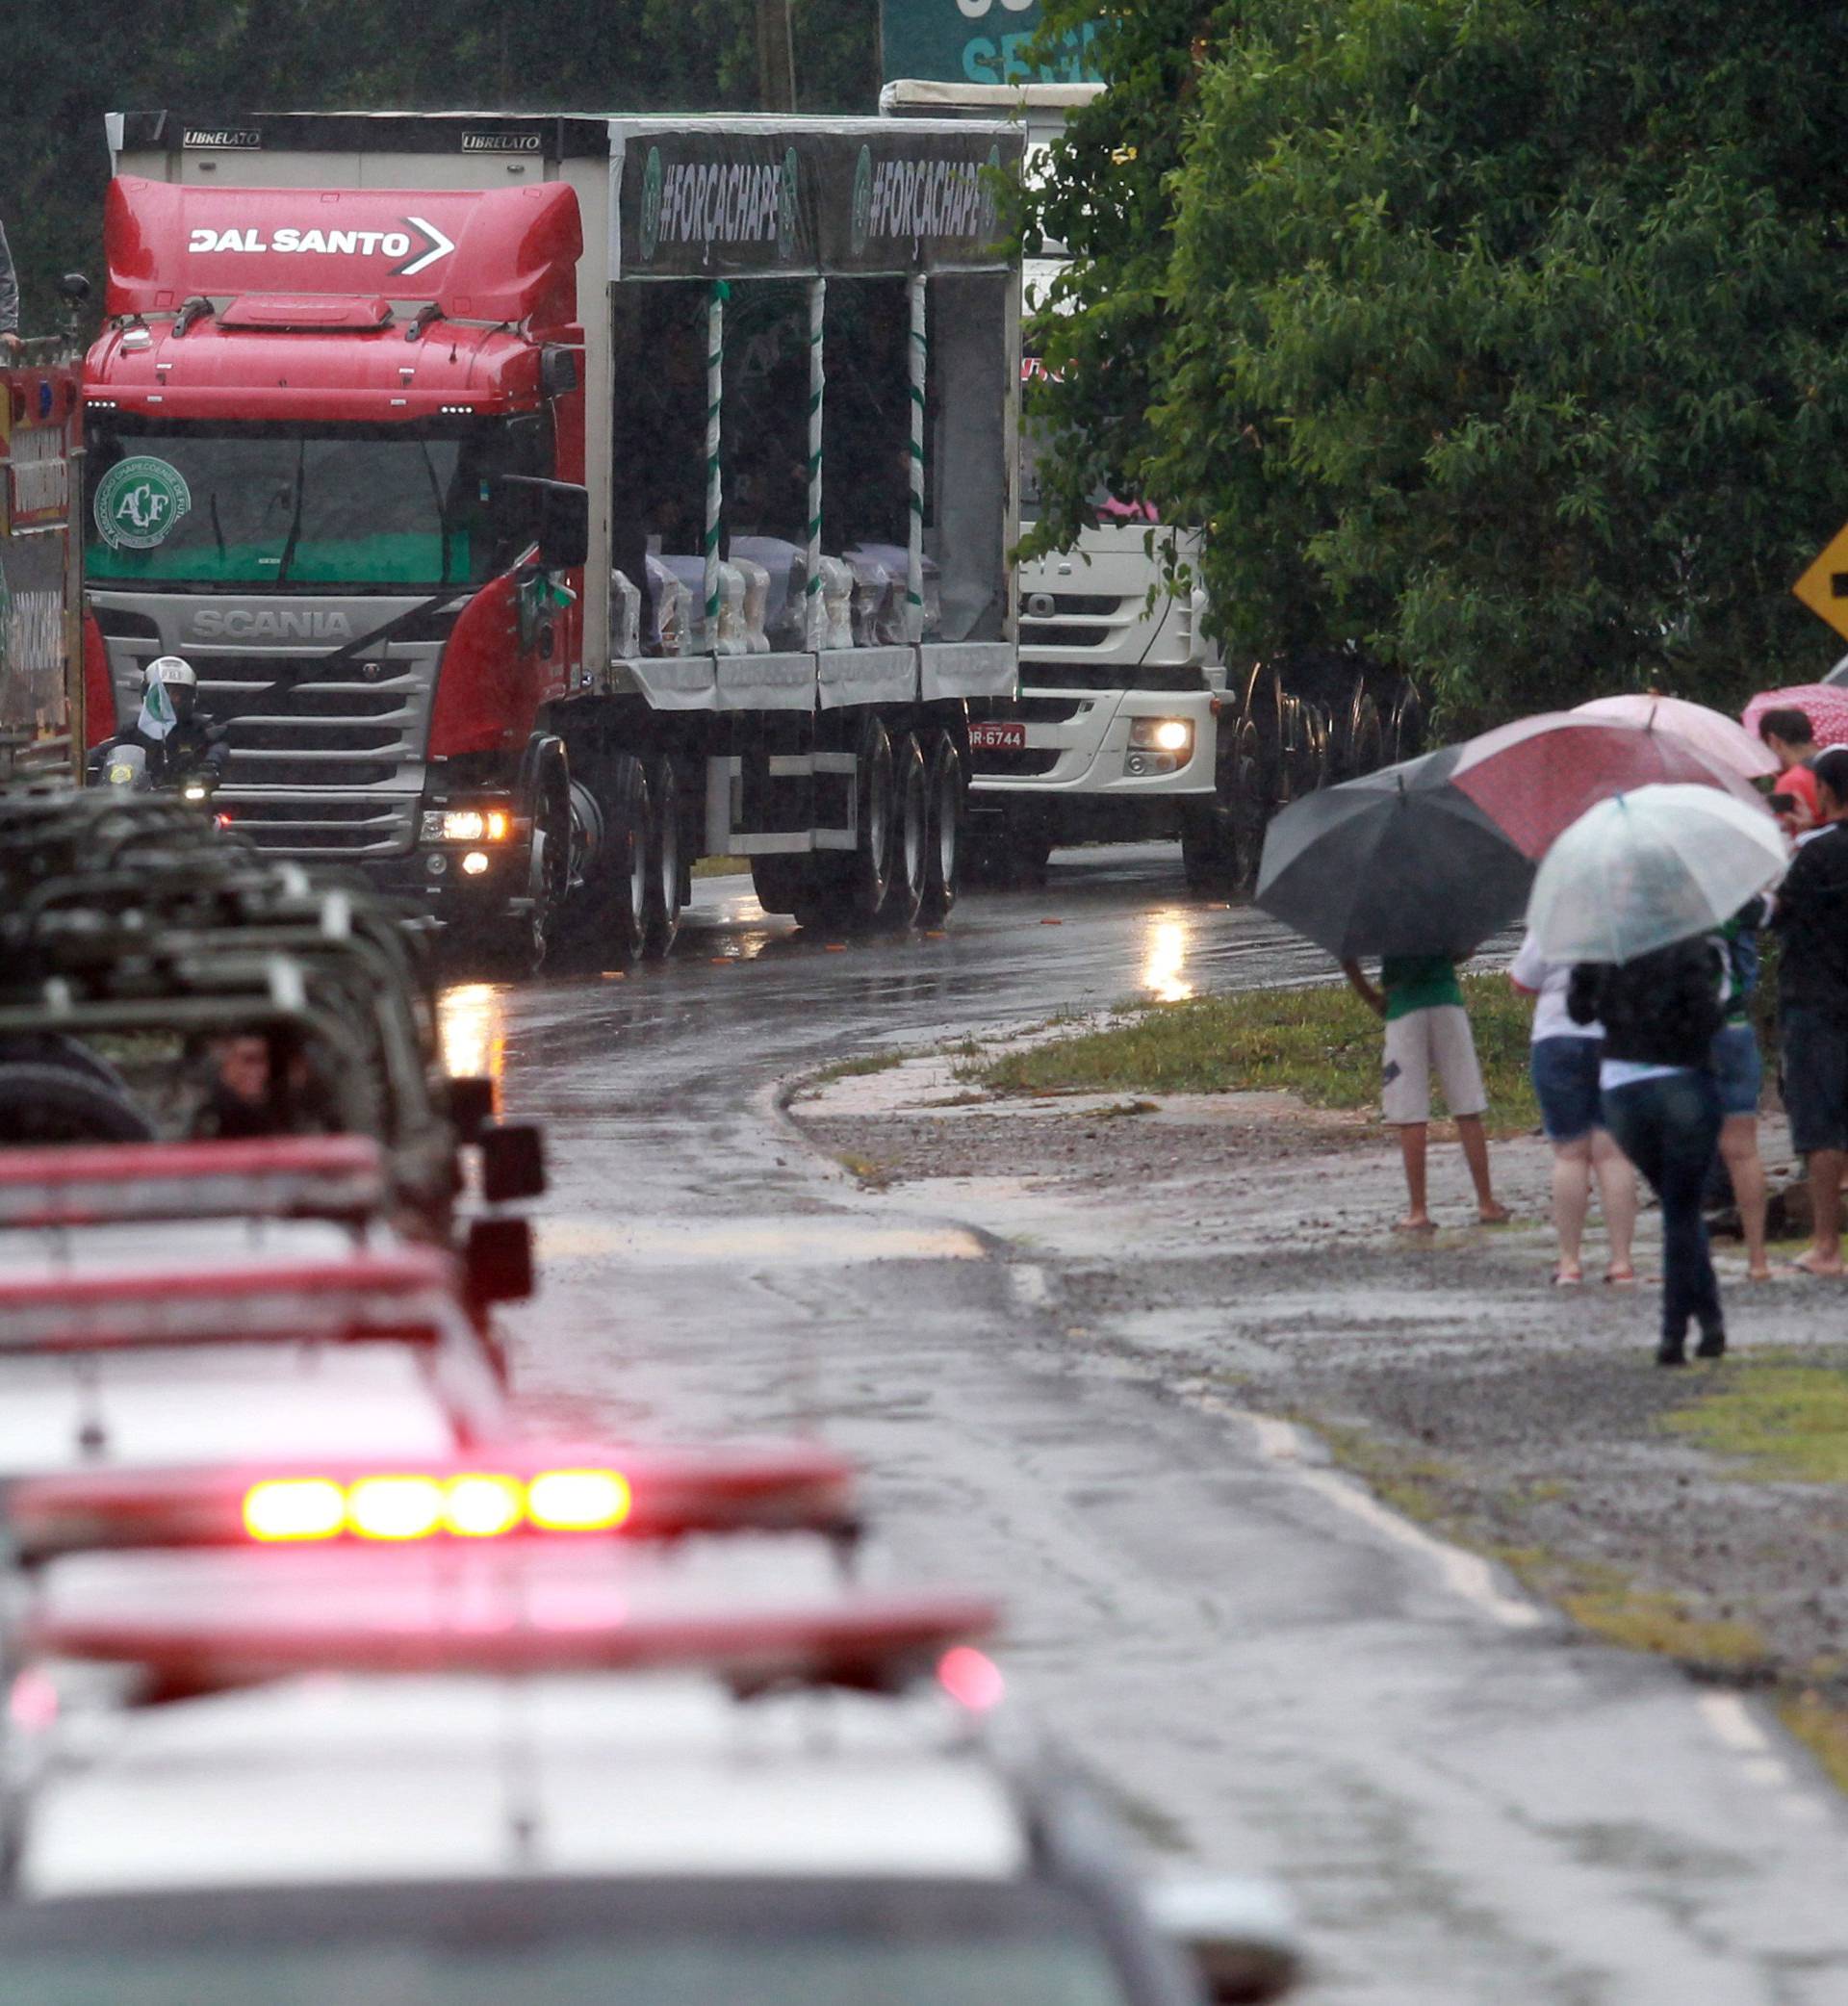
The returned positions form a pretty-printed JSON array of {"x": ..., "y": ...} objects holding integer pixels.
[
  {"x": 1399, "y": 861},
  {"x": 1644, "y": 870},
  {"x": 1712, "y": 731},
  {"x": 1823, "y": 703},
  {"x": 1536, "y": 776}
]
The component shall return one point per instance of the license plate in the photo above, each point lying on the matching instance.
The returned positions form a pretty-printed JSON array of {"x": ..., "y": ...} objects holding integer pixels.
[{"x": 997, "y": 736}]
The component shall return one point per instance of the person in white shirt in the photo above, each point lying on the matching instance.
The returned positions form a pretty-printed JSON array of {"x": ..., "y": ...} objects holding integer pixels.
[{"x": 1564, "y": 1061}]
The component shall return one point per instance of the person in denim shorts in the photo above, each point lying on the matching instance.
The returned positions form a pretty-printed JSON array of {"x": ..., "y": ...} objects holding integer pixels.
[
  {"x": 1739, "y": 1070},
  {"x": 1563, "y": 1058}
]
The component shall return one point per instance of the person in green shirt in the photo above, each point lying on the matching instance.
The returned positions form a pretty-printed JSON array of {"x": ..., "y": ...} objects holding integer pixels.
[{"x": 1426, "y": 1029}]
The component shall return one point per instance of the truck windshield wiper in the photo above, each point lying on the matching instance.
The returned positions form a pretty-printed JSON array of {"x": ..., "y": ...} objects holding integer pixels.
[
  {"x": 442, "y": 509},
  {"x": 294, "y": 522}
]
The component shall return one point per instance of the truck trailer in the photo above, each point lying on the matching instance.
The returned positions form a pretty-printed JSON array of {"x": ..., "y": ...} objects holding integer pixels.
[
  {"x": 547, "y": 502},
  {"x": 1130, "y": 725}
]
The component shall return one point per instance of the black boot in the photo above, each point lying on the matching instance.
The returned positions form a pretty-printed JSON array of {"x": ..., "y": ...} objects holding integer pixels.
[{"x": 1713, "y": 1344}]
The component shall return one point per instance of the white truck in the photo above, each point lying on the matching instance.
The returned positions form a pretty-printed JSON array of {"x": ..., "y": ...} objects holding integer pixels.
[{"x": 1129, "y": 723}]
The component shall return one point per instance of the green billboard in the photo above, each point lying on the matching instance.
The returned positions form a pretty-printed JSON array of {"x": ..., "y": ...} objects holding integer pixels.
[{"x": 976, "y": 41}]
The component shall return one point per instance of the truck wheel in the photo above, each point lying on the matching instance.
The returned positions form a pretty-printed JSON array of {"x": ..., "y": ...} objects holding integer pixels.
[
  {"x": 848, "y": 890},
  {"x": 51, "y": 1103},
  {"x": 910, "y": 835},
  {"x": 618, "y": 908},
  {"x": 517, "y": 945},
  {"x": 661, "y": 903},
  {"x": 943, "y": 829}
]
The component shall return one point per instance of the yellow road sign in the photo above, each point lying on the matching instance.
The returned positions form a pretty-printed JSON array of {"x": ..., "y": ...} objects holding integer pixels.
[{"x": 1824, "y": 587}]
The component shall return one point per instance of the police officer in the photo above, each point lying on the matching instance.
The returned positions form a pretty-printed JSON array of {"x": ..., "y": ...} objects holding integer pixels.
[{"x": 168, "y": 730}]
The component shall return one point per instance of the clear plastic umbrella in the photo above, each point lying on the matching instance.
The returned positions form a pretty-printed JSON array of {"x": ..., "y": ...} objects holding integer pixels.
[
  {"x": 1661, "y": 864},
  {"x": 1721, "y": 737}
]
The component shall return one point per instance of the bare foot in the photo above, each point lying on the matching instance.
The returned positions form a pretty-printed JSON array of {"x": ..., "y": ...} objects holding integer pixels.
[
  {"x": 1493, "y": 1214},
  {"x": 1813, "y": 1263},
  {"x": 1415, "y": 1223}
]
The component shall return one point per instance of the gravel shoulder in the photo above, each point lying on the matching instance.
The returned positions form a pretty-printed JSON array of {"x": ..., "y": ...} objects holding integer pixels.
[{"x": 1243, "y": 1244}]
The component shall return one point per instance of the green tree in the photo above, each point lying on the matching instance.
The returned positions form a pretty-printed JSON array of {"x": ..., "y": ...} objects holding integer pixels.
[{"x": 1505, "y": 337}]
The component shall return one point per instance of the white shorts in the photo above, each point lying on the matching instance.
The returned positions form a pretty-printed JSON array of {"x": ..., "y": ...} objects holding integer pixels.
[{"x": 1419, "y": 1043}]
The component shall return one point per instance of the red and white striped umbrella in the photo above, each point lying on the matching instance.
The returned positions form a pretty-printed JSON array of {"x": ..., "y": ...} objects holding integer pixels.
[
  {"x": 1712, "y": 731},
  {"x": 1824, "y": 705},
  {"x": 1534, "y": 777}
]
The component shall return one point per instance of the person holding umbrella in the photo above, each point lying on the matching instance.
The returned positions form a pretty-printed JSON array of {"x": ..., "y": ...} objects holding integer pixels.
[
  {"x": 1630, "y": 893},
  {"x": 1811, "y": 916},
  {"x": 1428, "y": 1029}
]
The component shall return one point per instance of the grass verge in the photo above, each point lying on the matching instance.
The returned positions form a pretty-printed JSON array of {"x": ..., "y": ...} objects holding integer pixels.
[
  {"x": 1321, "y": 1045},
  {"x": 1780, "y": 1414}
]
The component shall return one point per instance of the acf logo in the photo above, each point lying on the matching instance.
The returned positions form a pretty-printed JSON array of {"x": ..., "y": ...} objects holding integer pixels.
[
  {"x": 138, "y": 500},
  {"x": 652, "y": 203}
]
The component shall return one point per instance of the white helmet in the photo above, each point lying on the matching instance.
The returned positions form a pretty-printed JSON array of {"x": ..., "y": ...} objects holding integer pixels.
[{"x": 171, "y": 669}]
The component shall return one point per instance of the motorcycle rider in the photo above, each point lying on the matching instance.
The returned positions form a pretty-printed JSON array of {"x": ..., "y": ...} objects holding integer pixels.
[{"x": 168, "y": 730}]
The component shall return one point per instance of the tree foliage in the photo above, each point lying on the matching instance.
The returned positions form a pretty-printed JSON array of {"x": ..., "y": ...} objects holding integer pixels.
[
  {"x": 1505, "y": 337},
  {"x": 71, "y": 64}
]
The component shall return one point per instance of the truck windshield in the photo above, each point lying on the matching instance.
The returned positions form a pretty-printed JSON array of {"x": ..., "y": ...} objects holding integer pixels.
[{"x": 270, "y": 504}]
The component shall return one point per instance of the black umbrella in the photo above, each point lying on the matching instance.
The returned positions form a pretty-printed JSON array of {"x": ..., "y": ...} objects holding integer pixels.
[{"x": 1400, "y": 862}]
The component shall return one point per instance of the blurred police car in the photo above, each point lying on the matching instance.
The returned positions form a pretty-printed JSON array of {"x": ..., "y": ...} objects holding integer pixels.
[{"x": 419, "y": 1748}]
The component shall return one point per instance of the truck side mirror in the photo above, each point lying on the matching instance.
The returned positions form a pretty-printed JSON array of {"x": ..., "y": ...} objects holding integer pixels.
[
  {"x": 497, "y": 1264},
  {"x": 470, "y": 1105},
  {"x": 557, "y": 371},
  {"x": 564, "y": 519},
  {"x": 1240, "y": 1935},
  {"x": 513, "y": 1162}
]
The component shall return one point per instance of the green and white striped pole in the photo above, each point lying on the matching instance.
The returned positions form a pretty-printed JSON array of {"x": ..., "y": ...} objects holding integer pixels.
[
  {"x": 914, "y": 548},
  {"x": 814, "y": 619},
  {"x": 714, "y": 478}
]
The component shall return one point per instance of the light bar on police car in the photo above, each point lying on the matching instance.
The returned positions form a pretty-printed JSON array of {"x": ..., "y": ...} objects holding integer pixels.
[
  {"x": 336, "y": 1176},
  {"x": 853, "y": 1637},
  {"x": 520, "y": 1490},
  {"x": 405, "y": 1296}
]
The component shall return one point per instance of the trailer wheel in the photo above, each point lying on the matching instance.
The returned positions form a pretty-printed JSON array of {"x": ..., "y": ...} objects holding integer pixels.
[
  {"x": 943, "y": 829},
  {"x": 910, "y": 835},
  {"x": 661, "y": 901},
  {"x": 1405, "y": 729},
  {"x": 51, "y": 1103},
  {"x": 849, "y": 890}
]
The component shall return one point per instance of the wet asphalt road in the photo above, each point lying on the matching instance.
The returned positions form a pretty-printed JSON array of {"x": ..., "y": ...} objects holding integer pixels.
[{"x": 1264, "y": 1669}]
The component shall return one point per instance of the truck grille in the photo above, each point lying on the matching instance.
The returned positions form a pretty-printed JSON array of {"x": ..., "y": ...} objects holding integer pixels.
[
  {"x": 1025, "y": 764},
  {"x": 289, "y": 727},
  {"x": 326, "y": 757},
  {"x": 322, "y": 825}
]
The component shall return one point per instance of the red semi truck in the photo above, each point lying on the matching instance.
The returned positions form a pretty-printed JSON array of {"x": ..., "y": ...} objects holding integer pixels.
[{"x": 546, "y": 502}]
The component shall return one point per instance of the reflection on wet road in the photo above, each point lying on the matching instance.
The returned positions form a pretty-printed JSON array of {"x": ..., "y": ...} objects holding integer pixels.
[{"x": 1469, "y": 1810}]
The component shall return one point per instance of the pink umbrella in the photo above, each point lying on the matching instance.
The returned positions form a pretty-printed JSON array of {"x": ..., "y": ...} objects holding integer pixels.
[
  {"x": 1824, "y": 705},
  {"x": 1715, "y": 733},
  {"x": 1534, "y": 777}
]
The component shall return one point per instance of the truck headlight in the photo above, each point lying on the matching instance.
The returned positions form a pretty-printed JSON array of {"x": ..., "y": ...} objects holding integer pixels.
[
  {"x": 1168, "y": 734},
  {"x": 466, "y": 825}
]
